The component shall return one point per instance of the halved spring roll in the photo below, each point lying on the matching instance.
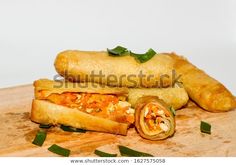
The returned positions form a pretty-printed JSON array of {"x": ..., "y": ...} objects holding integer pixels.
[
  {"x": 176, "y": 97},
  {"x": 45, "y": 112},
  {"x": 98, "y": 104},
  {"x": 153, "y": 118}
]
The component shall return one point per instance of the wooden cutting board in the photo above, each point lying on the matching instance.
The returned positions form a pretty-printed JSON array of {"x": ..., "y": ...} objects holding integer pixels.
[{"x": 17, "y": 133}]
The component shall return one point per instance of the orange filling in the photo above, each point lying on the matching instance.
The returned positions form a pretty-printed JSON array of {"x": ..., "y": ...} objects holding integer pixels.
[
  {"x": 106, "y": 106},
  {"x": 154, "y": 116}
]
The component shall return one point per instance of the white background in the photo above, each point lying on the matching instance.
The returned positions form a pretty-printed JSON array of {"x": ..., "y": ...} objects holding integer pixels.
[{"x": 33, "y": 32}]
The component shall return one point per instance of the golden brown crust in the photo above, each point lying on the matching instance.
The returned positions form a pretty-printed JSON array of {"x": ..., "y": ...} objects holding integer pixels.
[
  {"x": 78, "y": 66},
  {"x": 203, "y": 89},
  {"x": 176, "y": 97},
  {"x": 48, "y": 113},
  {"x": 50, "y": 86},
  {"x": 139, "y": 109}
]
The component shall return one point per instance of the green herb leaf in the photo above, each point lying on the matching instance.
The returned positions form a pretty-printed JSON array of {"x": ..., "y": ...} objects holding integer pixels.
[
  {"x": 40, "y": 138},
  {"x": 144, "y": 57},
  {"x": 45, "y": 126},
  {"x": 121, "y": 51},
  {"x": 104, "y": 154},
  {"x": 173, "y": 110},
  {"x": 125, "y": 151},
  {"x": 71, "y": 129},
  {"x": 59, "y": 150},
  {"x": 117, "y": 51},
  {"x": 205, "y": 127}
]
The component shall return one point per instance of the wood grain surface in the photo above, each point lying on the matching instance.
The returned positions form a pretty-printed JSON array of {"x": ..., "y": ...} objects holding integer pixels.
[{"x": 17, "y": 133}]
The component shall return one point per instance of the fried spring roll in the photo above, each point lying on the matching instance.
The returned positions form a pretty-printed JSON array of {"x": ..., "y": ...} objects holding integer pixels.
[
  {"x": 176, "y": 97},
  {"x": 93, "y": 108},
  {"x": 45, "y": 112},
  {"x": 99, "y": 67},
  {"x": 153, "y": 118},
  {"x": 203, "y": 89}
]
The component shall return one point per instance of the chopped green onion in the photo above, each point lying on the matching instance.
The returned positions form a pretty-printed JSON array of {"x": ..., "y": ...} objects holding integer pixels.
[
  {"x": 121, "y": 51},
  {"x": 172, "y": 110},
  {"x": 104, "y": 154},
  {"x": 125, "y": 151},
  {"x": 40, "y": 138},
  {"x": 117, "y": 51},
  {"x": 59, "y": 150},
  {"x": 71, "y": 129},
  {"x": 45, "y": 126},
  {"x": 205, "y": 127},
  {"x": 144, "y": 57}
]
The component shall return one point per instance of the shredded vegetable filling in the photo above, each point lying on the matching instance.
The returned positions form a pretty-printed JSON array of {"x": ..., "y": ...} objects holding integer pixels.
[
  {"x": 156, "y": 118},
  {"x": 107, "y": 106}
]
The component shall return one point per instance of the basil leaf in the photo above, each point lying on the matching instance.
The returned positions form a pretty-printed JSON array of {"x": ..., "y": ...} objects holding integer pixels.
[
  {"x": 71, "y": 129},
  {"x": 59, "y": 150},
  {"x": 205, "y": 127},
  {"x": 172, "y": 110},
  {"x": 125, "y": 151},
  {"x": 45, "y": 126},
  {"x": 117, "y": 51},
  {"x": 144, "y": 57},
  {"x": 40, "y": 138},
  {"x": 104, "y": 154}
]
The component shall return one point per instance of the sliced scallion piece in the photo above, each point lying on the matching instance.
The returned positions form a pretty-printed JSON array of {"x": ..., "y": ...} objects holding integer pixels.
[
  {"x": 40, "y": 138},
  {"x": 45, "y": 126},
  {"x": 125, "y": 151},
  {"x": 205, "y": 127},
  {"x": 144, "y": 57},
  {"x": 117, "y": 51},
  {"x": 172, "y": 110},
  {"x": 104, "y": 154},
  {"x": 71, "y": 129},
  {"x": 59, "y": 150}
]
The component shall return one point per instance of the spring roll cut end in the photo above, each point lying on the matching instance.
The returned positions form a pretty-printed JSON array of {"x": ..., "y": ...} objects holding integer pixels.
[{"x": 153, "y": 120}]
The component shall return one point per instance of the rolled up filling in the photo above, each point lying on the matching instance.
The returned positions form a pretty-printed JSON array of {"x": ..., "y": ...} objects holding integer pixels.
[
  {"x": 107, "y": 106},
  {"x": 153, "y": 118}
]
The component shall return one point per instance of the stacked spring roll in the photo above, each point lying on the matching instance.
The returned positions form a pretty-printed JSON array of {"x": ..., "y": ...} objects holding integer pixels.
[
  {"x": 103, "y": 105},
  {"x": 133, "y": 90},
  {"x": 78, "y": 66},
  {"x": 122, "y": 71},
  {"x": 82, "y": 105}
]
